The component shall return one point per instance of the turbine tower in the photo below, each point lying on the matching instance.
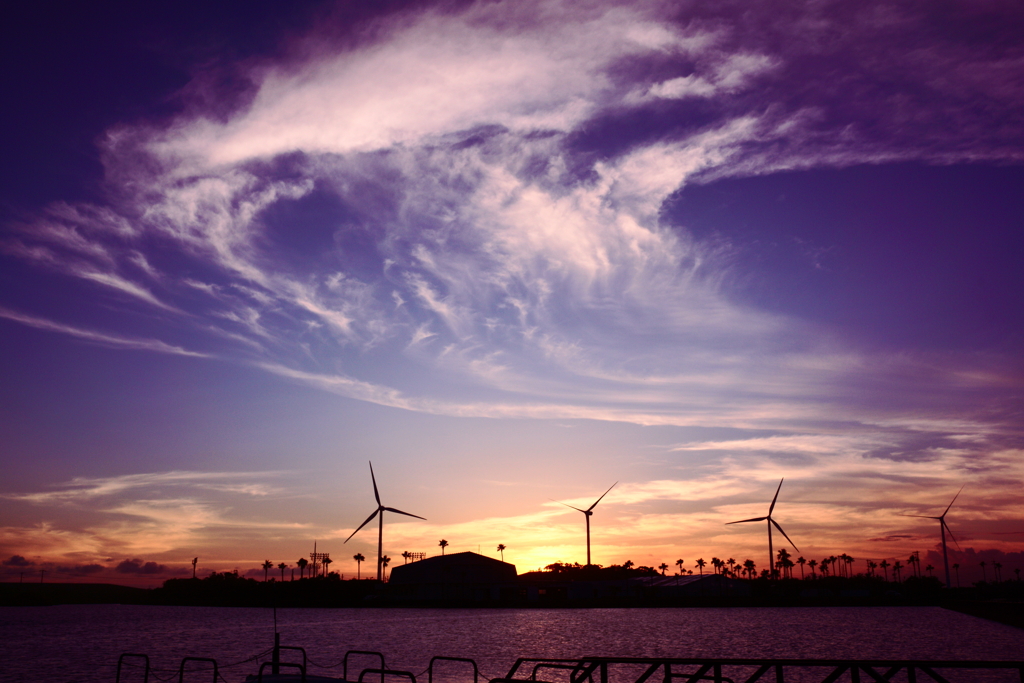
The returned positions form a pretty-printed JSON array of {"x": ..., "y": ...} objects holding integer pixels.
[
  {"x": 588, "y": 512},
  {"x": 771, "y": 549},
  {"x": 944, "y": 528},
  {"x": 380, "y": 531}
]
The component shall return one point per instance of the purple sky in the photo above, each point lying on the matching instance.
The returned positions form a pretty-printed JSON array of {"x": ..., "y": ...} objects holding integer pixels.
[{"x": 509, "y": 252}]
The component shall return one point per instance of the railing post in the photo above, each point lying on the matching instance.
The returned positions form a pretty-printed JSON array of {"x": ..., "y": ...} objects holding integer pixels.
[
  {"x": 276, "y": 668},
  {"x": 779, "y": 676}
]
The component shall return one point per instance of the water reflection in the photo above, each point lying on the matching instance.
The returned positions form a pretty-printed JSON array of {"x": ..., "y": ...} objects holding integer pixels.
[{"x": 82, "y": 642}]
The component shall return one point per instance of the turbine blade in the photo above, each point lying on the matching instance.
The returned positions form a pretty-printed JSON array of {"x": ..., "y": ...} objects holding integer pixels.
[
  {"x": 567, "y": 505},
  {"x": 954, "y": 500},
  {"x": 943, "y": 522},
  {"x": 772, "y": 508},
  {"x": 404, "y": 513},
  {"x": 922, "y": 516},
  {"x": 784, "y": 534},
  {"x": 755, "y": 519},
  {"x": 375, "y": 494},
  {"x": 602, "y": 496},
  {"x": 368, "y": 519}
]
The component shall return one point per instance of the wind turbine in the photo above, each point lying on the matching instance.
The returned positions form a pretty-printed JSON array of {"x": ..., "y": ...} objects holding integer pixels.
[
  {"x": 771, "y": 549},
  {"x": 944, "y": 528},
  {"x": 588, "y": 512},
  {"x": 380, "y": 531}
]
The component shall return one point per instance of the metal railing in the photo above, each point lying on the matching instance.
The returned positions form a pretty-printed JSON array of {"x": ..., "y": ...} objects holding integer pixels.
[
  {"x": 387, "y": 672},
  {"x": 344, "y": 665},
  {"x": 277, "y": 665},
  {"x": 465, "y": 660},
  {"x": 666, "y": 670},
  {"x": 691, "y": 670},
  {"x": 181, "y": 668},
  {"x": 120, "y": 660}
]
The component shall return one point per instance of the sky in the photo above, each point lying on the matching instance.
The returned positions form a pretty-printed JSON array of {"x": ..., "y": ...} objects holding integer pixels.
[{"x": 511, "y": 253}]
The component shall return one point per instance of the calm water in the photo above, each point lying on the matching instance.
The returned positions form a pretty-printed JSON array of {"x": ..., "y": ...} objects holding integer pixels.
[{"x": 82, "y": 642}]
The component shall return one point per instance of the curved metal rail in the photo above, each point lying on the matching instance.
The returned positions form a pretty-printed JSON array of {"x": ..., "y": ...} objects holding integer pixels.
[
  {"x": 344, "y": 665},
  {"x": 181, "y": 668},
  {"x": 145, "y": 675},
  {"x": 387, "y": 672},
  {"x": 430, "y": 667}
]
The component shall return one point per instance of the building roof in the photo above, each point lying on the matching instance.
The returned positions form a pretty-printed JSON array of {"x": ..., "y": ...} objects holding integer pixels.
[{"x": 466, "y": 567}]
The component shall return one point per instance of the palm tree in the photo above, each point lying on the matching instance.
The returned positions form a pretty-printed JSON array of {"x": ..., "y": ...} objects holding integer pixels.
[
  {"x": 405, "y": 556},
  {"x": 997, "y": 566},
  {"x": 983, "y": 572},
  {"x": 628, "y": 564},
  {"x": 750, "y": 568},
  {"x": 266, "y": 568},
  {"x": 444, "y": 544},
  {"x": 358, "y": 557},
  {"x": 849, "y": 565},
  {"x": 384, "y": 562},
  {"x": 896, "y": 568},
  {"x": 326, "y": 562},
  {"x": 716, "y": 563},
  {"x": 912, "y": 561},
  {"x": 282, "y": 567},
  {"x": 1017, "y": 572},
  {"x": 929, "y": 569},
  {"x": 732, "y": 565},
  {"x": 812, "y": 564},
  {"x": 956, "y": 568},
  {"x": 801, "y": 561},
  {"x": 679, "y": 563},
  {"x": 885, "y": 568},
  {"x": 871, "y": 568},
  {"x": 700, "y": 564},
  {"x": 783, "y": 556},
  {"x": 301, "y": 564},
  {"x": 501, "y": 549},
  {"x": 663, "y": 567}
]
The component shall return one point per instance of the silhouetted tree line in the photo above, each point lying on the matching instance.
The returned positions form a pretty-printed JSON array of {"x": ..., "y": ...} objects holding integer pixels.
[
  {"x": 229, "y": 589},
  {"x": 595, "y": 572}
]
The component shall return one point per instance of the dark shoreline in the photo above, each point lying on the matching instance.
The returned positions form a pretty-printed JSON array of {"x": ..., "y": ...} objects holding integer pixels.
[{"x": 980, "y": 602}]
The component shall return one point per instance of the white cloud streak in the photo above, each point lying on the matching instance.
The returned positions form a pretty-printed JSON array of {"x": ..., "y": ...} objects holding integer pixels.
[
  {"x": 505, "y": 278},
  {"x": 99, "y": 337}
]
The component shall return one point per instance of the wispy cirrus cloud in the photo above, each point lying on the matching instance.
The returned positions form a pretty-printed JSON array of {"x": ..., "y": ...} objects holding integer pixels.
[
  {"x": 461, "y": 212},
  {"x": 99, "y": 337},
  {"x": 87, "y": 488}
]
